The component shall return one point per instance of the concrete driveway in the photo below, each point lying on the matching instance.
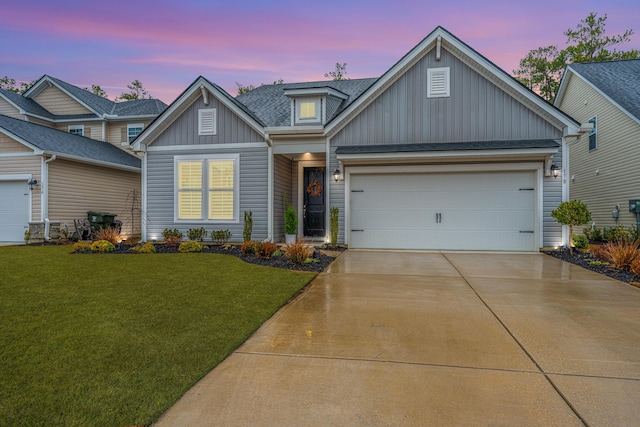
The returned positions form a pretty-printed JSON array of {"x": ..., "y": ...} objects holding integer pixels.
[{"x": 427, "y": 338}]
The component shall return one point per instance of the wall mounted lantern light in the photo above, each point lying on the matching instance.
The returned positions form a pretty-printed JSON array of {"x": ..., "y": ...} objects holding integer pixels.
[
  {"x": 336, "y": 175},
  {"x": 32, "y": 183},
  {"x": 555, "y": 171}
]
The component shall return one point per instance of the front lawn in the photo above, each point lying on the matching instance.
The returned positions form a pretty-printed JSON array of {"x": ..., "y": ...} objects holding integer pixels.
[{"x": 114, "y": 340}]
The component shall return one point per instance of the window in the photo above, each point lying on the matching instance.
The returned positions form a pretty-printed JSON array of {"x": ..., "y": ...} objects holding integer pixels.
[
  {"x": 133, "y": 131},
  {"x": 593, "y": 134},
  {"x": 207, "y": 188},
  {"x": 207, "y": 121},
  {"x": 438, "y": 82},
  {"x": 308, "y": 110},
  {"x": 76, "y": 129}
]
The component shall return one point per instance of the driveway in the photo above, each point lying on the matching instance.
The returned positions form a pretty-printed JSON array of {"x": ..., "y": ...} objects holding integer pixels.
[{"x": 430, "y": 338}]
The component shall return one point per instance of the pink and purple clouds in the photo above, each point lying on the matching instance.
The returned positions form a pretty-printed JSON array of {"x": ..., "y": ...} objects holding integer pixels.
[{"x": 167, "y": 44}]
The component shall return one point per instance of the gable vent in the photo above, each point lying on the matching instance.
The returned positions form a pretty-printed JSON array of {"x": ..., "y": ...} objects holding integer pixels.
[
  {"x": 207, "y": 121},
  {"x": 437, "y": 82}
]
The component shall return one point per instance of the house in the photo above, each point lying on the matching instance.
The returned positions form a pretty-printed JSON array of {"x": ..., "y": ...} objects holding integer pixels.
[
  {"x": 62, "y": 155},
  {"x": 443, "y": 151},
  {"x": 603, "y": 164}
]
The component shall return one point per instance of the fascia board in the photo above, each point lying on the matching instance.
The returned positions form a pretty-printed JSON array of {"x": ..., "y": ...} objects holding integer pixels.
[
  {"x": 92, "y": 161},
  {"x": 53, "y": 83}
]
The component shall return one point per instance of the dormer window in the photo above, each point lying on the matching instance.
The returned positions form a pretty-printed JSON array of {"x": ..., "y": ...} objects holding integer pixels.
[
  {"x": 314, "y": 105},
  {"x": 308, "y": 110}
]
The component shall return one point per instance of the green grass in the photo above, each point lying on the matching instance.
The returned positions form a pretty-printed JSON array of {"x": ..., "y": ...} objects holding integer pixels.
[{"x": 114, "y": 340}]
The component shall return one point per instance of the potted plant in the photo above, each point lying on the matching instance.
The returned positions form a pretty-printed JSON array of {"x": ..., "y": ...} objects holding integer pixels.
[{"x": 290, "y": 222}]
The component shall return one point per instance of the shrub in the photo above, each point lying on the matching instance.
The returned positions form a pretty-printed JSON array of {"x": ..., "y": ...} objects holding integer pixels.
[
  {"x": 133, "y": 239},
  {"x": 599, "y": 251},
  {"x": 277, "y": 253},
  {"x": 297, "y": 252},
  {"x": 333, "y": 226},
  {"x": 621, "y": 255},
  {"x": 248, "y": 247},
  {"x": 619, "y": 234},
  {"x": 571, "y": 213},
  {"x": 266, "y": 249},
  {"x": 171, "y": 237},
  {"x": 291, "y": 221},
  {"x": 580, "y": 241},
  {"x": 111, "y": 235},
  {"x": 27, "y": 236},
  {"x": 190, "y": 246},
  {"x": 102, "y": 246},
  {"x": 248, "y": 226},
  {"x": 594, "y": 234},
  {"x": 144, "y": 248},
  {"x": 81, "y": 246},
  {"x": 220, "y": 237},
  {"x": 197, "y": 234},
  {"x": 635, "y": 267}
]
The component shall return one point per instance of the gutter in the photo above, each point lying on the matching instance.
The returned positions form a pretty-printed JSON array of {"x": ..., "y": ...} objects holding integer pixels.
[
  {"x": 269, "y": 188},
  {"x": 45, "y": 196}
]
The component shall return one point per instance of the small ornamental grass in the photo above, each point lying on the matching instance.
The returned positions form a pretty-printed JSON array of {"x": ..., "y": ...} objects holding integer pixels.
[
  {"x": 109, "y": 234},
  {"x": 620, "y": 254},
  {"x": 298, "y": 252},
  {"x": 248, "y": 247},
  {"x": 266, "y": 249}
]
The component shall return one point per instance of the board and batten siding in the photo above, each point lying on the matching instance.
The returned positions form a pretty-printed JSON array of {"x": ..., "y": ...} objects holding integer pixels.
[
  {"x": 476, "y": 110},
  {"x": 609, "y": 175},
  {"x": 253, "y": 192},
  {"x": 230, "y": 127},
  {"x": 282, "y": 182},
  {"x": 7, "y": 109},
  {"x": 24, "y": 165},
  {"x": 59, "y": 103},
  {"x": 76, "y": 188}
]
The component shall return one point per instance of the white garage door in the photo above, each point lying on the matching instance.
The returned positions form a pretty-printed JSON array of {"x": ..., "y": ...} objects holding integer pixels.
[
  {"x": 458, "y": 211},
  {"x": 14, "y": 210}
]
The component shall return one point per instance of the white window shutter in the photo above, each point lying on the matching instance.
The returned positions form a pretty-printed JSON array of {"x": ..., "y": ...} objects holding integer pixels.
[
  {"x": 438, "y": 82},
  {"x": 207, "y": 122}
]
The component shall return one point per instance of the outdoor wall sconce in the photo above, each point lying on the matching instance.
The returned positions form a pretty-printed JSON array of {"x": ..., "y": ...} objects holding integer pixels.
[
  {"x": 32, "y": 183},
  {"x": 555, "y": 171},
  {"x": 336, "y": 175}
]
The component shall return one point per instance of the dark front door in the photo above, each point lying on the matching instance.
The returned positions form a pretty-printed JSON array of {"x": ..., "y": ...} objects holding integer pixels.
[{"x": 313, "y": 209}]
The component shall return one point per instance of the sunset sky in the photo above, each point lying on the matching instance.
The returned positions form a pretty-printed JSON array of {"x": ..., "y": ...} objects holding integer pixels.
[{"x": 167, "y": 44}]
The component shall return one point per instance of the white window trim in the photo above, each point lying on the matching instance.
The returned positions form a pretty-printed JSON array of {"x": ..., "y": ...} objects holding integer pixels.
[
  {"x": 206, "y": 111},
  {"x": 593, "y": 131},
  {"x": 431, "y": 92},
  {"x": 134, "y": 125},
  {"x": 315, "y": 119},
  {"x": 76, "y": 127},
  {"x": 205, "y": 188}
]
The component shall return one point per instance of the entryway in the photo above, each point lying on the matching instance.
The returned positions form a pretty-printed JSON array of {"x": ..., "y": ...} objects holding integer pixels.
[{"x": 313, "y": 209}]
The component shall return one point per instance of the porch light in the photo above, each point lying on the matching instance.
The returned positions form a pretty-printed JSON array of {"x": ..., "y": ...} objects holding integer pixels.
[
  {"x": 555, "y": 171},
  {"x": 32, "y": 183},
  {"x": 336, "y": 175}
]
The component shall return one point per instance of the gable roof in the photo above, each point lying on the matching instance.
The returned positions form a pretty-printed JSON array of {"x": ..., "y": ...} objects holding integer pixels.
[
  {"x": 98, "y": 105},
  {"x": 619, "y": 81},
  {"x": 26, "y": 105},
  {"x": 273, "y": 107},
  {"x": 52, "y": 141}
]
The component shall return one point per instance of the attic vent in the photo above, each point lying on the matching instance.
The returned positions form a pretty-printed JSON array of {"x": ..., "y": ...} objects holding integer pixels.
[
  {"x": 438, "y": 82},
  {"x": 207, "y": 122}
]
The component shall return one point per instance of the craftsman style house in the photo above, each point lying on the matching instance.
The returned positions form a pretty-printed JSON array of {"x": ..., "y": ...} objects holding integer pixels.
[{"x": 443, "y": 151}]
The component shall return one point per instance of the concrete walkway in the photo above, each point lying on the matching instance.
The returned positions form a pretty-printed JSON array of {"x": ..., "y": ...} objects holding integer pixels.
[{"x": 426, "y": 338}]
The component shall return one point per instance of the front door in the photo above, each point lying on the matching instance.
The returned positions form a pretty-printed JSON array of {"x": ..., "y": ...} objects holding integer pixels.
[{"x": 313, "y": 209}]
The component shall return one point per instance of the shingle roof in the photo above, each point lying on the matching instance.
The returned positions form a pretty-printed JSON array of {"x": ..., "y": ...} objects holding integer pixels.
[
  {"x": 27, "y": 104},
  {"x": 273, "y": 107},
  {"x": 447, "y": 146},
  {"x": 619, "y": 80},
  {"x": 58, "y": 142},
  {"x": 97, "y": 103},
  {"x": 139, "y": 107}
]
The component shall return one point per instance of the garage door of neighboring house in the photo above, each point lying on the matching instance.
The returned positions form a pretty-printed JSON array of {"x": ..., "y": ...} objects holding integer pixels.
[
  {"x": 14, "y": 210},
  {"x": 449, "y": 211}
]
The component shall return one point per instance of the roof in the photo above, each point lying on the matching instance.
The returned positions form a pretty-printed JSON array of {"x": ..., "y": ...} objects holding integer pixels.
[
  {"x": 64, "y": 144},
  {"x": 270, "y": 104},
  {"x": 447, "y": 146},
  {"x": 27, "y": 105},
  {"x": 618, "y": 80}
]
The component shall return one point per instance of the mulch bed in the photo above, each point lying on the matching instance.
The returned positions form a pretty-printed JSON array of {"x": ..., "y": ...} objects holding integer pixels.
[
  {"x": 320, "y": 263},
  {"x": 583, "y": 260}
]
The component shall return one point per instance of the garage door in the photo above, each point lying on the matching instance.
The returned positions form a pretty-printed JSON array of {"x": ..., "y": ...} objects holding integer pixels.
[
  {"x": 14, "y": 210},
  {"x": 458, "y": 211}
]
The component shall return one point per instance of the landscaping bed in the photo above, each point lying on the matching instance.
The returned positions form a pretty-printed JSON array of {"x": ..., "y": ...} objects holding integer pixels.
[{"x": 588, "y": 261}]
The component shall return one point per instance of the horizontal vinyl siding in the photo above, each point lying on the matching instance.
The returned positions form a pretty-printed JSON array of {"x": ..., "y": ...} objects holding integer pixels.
[
  {"x": 26, "y": 165},
  {"x": 230, "y": 127},
  {"x": 253, "y": 193},
  {"x": 9, "y": 145},
  {"x": 58, "y": 102},
  {"x": 75, "y": 188},
  {"x": 96, "y": 132},
  {"x": 616, "y": 157},
  {"x": 282, "y": 183},
  {"x": 477, "y": 110},
  {"x": 9, "y": 110}
]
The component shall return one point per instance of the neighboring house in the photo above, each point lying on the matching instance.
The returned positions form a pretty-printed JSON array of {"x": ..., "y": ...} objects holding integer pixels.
[
  {"x": 444, "y": 151},
  {"x": 604, "y": 170},
  {"x": 73, "y": 147}
]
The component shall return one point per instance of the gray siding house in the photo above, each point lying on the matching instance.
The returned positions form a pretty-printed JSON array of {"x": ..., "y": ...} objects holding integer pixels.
[{"x": 443, "y": 151}]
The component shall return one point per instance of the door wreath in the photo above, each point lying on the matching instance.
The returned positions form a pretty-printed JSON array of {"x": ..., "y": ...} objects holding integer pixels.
[{"x": 314, "y": 188}]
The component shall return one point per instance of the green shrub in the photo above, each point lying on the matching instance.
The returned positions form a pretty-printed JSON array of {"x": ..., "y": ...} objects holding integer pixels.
[
  {"x": 594, "y": 234},
  {"x": 580, "y": 241},
  {"x": 190, "y": 246},
  {"x": 619, "y": 234},
  {"x": 144, "y": 248},
  {"x": 220, "y": 237},
  {"x": 27, "y": 236},
  {"x": 277, "y": 253},
  {"x": 248, "y": 226},
  {"x": 102, "y": 246},
  {"x": 333, "y": 226},
  {"x": 197, "y": 234},
  {"x": 81, "y": 246},
  {"x": 172, "y": 237}
]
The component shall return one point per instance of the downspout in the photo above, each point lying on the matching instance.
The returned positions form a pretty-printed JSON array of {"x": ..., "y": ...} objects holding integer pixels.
[
  {"x": 45, "y": 196},
  {"x": 269, "y": 189},
  {"x": 104, "y": 131},
  {"x": 143, "y": 187},
  {"x": 328, "y": 171}
]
